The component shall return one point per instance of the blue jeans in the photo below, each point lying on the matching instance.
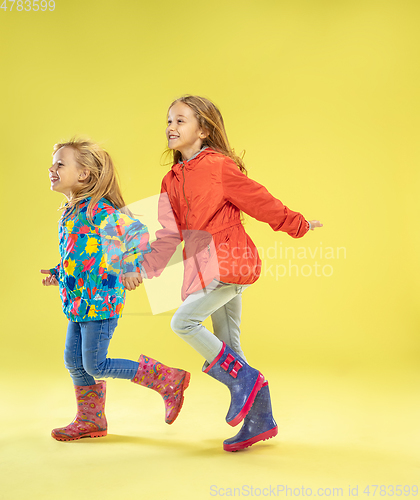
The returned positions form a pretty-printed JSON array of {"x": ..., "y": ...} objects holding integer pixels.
[
  {"x": 221, "y": 301},
  {"x": 86, "y": 350}
]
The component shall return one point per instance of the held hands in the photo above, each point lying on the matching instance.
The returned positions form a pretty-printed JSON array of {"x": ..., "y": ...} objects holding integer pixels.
[
  {"x": 50, "y": 280},
  {"x": 314, "y": 224},
  {"x": 131, "y": 280}
]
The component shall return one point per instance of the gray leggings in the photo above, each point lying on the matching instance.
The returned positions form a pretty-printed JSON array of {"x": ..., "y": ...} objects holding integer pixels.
[{"x": 224, "y": 304}]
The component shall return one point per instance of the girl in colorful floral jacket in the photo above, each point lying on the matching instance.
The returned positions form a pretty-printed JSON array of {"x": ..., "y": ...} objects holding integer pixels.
[
  {"x": 101, "y": 248},
  {"x": 202, "y": 197}
]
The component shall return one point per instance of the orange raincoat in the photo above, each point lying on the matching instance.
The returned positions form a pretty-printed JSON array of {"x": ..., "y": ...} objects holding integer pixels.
[{"x": 200, "y": 204}]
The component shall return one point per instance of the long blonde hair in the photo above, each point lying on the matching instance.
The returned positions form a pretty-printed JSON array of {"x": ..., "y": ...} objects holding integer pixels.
[
  {"x": 211, "y": 121},
  {"x": 102, "y": 181}
]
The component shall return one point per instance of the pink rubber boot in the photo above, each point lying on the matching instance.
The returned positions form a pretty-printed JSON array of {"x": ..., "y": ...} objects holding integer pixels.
[
  {"x": 90, "y": 420},
  {"x": 169, "y": 382}
]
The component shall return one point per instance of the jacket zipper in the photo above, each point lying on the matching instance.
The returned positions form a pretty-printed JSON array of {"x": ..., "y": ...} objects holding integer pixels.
[
  {"x": 186, "y": 223},
  {"x": 183, "y": 191},
  {"x": 188, "y": 205}
]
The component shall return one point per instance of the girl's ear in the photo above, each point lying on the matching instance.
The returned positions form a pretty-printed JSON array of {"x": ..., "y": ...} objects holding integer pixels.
[
  {"x": 84, "y": 174},
  {"x": 203, "y": 134}
]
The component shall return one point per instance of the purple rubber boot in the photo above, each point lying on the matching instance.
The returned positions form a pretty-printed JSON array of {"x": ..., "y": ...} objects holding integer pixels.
[
  {"x": 243, "y": 382},
  {"x": 259, "y": 424}
]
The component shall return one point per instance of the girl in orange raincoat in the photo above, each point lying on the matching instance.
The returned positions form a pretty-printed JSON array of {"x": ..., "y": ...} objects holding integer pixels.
[{"x": 202, "y": 197}]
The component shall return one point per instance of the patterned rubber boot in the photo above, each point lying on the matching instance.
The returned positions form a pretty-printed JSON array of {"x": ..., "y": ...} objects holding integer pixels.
[
  {"x": 169, "y": 382},
  {"x": 243, "y": 382},
  {"x": 259, "y": 424},
  {"x": 90, "y": 420}
]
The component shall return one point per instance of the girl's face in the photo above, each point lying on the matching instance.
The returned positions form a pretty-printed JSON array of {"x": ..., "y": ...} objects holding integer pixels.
[
  {"x": 65, "y": 174},
  {"x": 183, "y": 131}
]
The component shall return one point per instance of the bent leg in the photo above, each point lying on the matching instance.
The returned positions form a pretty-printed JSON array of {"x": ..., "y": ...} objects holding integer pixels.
[
  {"x": 187, "y": 321},
  {"x": 96, "y": 336}
]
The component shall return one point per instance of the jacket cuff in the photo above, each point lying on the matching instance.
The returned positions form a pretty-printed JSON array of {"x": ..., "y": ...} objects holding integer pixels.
[
  {"x": 131, "y": 267},
  {"x": 54, "y": 271}
]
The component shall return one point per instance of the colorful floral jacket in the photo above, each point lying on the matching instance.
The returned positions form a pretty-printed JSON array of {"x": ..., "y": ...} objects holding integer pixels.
[{"x": 94, "y": 257}]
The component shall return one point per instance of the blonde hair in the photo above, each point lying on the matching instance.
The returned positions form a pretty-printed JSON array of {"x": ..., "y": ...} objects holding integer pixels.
[
  {"x": 210, "y": 121},
  {"x": 102, "y": 181}
]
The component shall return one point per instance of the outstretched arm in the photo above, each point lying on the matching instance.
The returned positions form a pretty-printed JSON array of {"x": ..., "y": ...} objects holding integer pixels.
[
  {"x": 126, "y": 241},
  {"x": 255, "y": 200},
  {"x": 167, "y": 239}
]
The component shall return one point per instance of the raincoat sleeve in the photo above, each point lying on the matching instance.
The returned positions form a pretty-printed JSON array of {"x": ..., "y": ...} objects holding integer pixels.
[
  {"x": 167, "y": 238},
  {"x": 254, "y": 199},
  {"x": 55, "y": 271},
  {"x": 126, "y": 238}
]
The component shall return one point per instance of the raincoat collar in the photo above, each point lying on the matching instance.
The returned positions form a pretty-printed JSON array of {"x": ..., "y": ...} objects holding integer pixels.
[
  {"x": 195, "y": 156},
  {"x": 192, "y": 161}
]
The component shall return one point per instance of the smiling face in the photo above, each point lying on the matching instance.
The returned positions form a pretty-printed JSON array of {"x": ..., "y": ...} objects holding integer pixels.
[
  {"x": 183, "y": 131},
  {"x": 65, "y": 174}
]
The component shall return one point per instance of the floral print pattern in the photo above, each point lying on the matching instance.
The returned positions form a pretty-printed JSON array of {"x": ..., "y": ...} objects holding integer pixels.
[
  {"x": 169, "y": 382},
  {"x": 90, "y": 420},
  {"x": 94, "y": 256}
]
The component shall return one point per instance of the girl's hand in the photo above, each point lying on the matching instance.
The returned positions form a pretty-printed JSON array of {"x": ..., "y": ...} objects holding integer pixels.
[
  {"x": 50, "y": 280},
  {"x": 131, "y": 280},
  {"x": 314, "y": 224}
]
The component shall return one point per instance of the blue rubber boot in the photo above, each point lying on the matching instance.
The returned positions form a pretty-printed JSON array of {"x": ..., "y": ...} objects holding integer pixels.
[
  {"x": 243, "y": 382},
  {"x": 259, "y": 424}
]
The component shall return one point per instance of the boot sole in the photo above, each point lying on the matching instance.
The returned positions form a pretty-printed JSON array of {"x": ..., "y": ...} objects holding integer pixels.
[
  {"x": 90, "y": 434},
  {"x": 249, "y": 442},
  {"x": 250, "y": 401},
  {"x": 185, "y": 385}
]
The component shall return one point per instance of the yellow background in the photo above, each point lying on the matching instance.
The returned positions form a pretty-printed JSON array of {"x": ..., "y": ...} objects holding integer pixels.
[{"x": 323, "y": 96}]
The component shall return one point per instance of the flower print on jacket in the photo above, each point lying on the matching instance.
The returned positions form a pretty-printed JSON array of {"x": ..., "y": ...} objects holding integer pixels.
[{"x": 93, "y": 258}]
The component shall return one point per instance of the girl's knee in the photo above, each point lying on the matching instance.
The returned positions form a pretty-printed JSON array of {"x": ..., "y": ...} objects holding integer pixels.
[
  {"x": 93, "y": 369},
  {"x": 181, "y": 325},
  {"x": 176, "y": 325}
]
